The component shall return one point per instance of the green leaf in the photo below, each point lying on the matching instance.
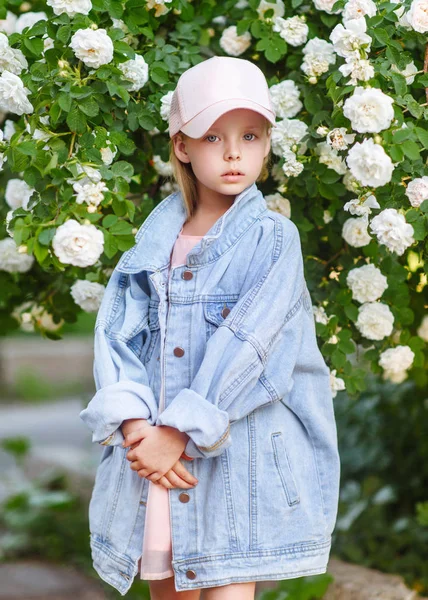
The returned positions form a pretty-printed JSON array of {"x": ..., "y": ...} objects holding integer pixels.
[
  {"x": 399, "y": 82},
  {"x": 28, "y": 148},
  {"x": 63, "y": 34},
  {"x": 40, "y": 252},
  {"x": 46, "y": 236},
  {"x": 109, "y": 220},
  {"x": 125, "y": 49},
  {"x": 351, "y": 311},
  {"x": 34, "y": 45},
  {"x": 110, "y": 245},
  {"x": 121, "y": 228},
  {"x": 89, "y": 107},
  {"x": 159, "y": 74},
  {"x": 422, "y": 136},
  {"x": 76, "y": 120},
  {"x": 122, "y": 168},
  {"x": 64, "y": 101},
  {"x": 411, "y": 149}
]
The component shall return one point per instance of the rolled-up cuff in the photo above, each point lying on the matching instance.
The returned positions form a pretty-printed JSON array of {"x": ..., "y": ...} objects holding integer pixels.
[
  {"x": 114, "y": 404},
  {"x": 207, "y": 426}
]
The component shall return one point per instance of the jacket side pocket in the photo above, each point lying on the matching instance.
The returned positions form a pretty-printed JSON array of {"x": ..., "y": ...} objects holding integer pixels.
[{"x": 284, "y": 468}]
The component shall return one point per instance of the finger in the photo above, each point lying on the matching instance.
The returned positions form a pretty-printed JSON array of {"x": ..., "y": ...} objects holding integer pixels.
[
  {"x": 177, "y": 481},
  {"x": 135, "y": 436},
  {"x": 183, "y": 473}
]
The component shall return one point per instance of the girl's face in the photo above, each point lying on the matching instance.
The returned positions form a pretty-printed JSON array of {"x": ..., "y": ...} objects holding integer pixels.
[{"x": 237, "y": 142}]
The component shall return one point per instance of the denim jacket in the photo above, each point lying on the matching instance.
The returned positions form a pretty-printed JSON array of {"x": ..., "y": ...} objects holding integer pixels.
[{"x": 232, "y": 336}]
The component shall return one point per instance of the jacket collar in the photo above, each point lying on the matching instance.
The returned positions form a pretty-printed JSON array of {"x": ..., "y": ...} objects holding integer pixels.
[{"x": 156, "y": 237}]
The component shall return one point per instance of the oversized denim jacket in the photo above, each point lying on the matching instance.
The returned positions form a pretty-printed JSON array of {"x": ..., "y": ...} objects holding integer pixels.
[{"x": 248, "y": 385}]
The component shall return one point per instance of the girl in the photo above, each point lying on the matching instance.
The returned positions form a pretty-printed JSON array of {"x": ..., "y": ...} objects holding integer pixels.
[{"x": 210, "y": 312}]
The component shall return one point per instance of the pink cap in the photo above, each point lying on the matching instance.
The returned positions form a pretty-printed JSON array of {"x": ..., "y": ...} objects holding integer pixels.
[{"x": 213, "y": 87}]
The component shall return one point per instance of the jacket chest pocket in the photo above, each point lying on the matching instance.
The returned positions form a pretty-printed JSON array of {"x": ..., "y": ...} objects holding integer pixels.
[
  {"x": 285, "y": 472},
  {"x": 215, "y": 313},
  {"x": 152, "y": 337}
]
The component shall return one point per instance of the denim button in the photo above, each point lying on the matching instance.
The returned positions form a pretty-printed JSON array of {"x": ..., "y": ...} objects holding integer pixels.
[
  {"x": 225, "y": 312},
  {"x": 184, "y": 497},
  {"x": 187, "y": 275},
  {"x": 190, "y": 574},
  {"x": 178, "y": 351}
]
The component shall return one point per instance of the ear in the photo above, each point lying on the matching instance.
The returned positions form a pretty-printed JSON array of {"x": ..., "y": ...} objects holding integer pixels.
[{"x": 180, "y": 150}]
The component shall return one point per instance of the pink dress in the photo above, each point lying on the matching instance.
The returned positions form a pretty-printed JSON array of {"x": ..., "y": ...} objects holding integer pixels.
[{"x": 155, "y": 562}]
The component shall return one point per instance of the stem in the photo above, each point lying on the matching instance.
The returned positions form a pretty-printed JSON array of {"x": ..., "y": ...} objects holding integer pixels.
[{"x": 70, "y": 152}]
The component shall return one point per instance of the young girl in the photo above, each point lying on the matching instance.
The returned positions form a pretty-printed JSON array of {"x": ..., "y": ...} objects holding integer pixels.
[{"x": 210, "y": 313}]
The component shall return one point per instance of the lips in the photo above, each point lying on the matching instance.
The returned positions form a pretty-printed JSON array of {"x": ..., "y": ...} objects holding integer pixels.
[{"x": 232, "y": 173}]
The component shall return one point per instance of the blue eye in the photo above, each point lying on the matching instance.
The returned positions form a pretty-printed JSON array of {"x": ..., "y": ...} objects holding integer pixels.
[{"x": 213, "y": 136}]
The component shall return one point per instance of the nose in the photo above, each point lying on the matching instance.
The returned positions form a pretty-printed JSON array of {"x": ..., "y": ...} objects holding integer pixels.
[{"x": 232, "y": 152}]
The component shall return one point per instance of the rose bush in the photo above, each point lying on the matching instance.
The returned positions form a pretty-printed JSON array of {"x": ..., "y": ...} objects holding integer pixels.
[{"x": 85, "y": 91}]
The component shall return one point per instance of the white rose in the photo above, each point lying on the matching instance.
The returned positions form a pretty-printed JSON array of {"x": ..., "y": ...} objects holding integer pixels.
[
  {"x": 11, "y": 260},
  {"x": 293, "y": 30},
  {"x": 369, "y": 110},
  {"x": 338, "y": 139},
  {"x": 320, "y": 315},
  {"x": 318, "y": 56},
  {"x": 8, "y": 24},
  {"x": 354, "y": 232},
  {"x": 13, "y": 95},
  {"x": 93, "y": 47},
  {"x": 168, "y": 188},
  {"x": 396, "y": 360},
  {"x": 162, "y": 167},
  {"x": 87, "y": 294},
  {"x": 408, "y": 72},
  {"x": 285, "y": 97},
  {"x": 11, "y": 59},
  {"x": 279, "y": 204},
  {"x": 166, "y": 105},
  {"x": 362, "y": 206},
  {"x": 392, "y": 230},
  {"x": 286, "y": 133},
  {"x": 328, "y": 156},
  {"x": 336, "y": 383},
  {"x": 234, "y": 44},
  {"x": 326, "y": 6},
  {"x": 417, "y": 16},
  {"x": 91, "y": 193},
  {"x": 367, "y": 283},
  {"x": 375, "y": 320},
  {"x": 9, "y": 129},
  {"x": 76, "y": 244},
  {"x": 107, "y": 154},
  {"x": 291, "y": 167},
  {"x": 71, "y": 7},
  {"x": 417, "y": 191},
  {"x": 360, "y": 69},
  {"x": 28, "y": 20},
  {"x": 369, "y": 163},
  {"x": 348, "y": 40},
  {"x": 349, "y": 181},
  {"x": 137, "y": 71},
  {"x": 356, "y": 9},
  {"x": 422, "y": 330},
  {"x": 277, "y": 7},
  {"x": 18, "y": 193},
  {"x": 159, "y": 5}
]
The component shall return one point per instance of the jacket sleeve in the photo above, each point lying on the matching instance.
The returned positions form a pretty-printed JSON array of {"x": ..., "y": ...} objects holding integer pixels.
[
  {"x": 250, "y": 359},
  {"x": 121, "y": 381}
]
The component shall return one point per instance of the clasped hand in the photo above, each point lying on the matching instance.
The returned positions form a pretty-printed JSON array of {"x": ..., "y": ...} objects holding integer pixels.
[{"x": 159, "y": 467}]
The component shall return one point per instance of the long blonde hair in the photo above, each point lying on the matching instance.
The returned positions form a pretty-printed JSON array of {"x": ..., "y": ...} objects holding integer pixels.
[{"x": 184, "y": 176}]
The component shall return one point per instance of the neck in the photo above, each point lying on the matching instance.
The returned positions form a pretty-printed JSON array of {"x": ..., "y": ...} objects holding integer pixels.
[{"x": 212, "y": 202}]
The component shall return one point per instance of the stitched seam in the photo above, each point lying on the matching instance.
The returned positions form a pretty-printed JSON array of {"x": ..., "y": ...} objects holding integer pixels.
[{"x": 218, "y": 443}]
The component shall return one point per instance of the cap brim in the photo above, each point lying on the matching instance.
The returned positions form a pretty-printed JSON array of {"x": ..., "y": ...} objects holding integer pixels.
[{"x": 197, "y": 126}]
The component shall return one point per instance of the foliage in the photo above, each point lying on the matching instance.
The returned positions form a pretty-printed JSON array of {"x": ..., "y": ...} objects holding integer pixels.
[
  {"x": 383, "y": 443},
  {"x": 86, "y": 118}
]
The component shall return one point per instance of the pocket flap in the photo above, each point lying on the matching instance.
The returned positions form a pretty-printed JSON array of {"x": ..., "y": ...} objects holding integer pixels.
[{"x": 216, "y": 312}]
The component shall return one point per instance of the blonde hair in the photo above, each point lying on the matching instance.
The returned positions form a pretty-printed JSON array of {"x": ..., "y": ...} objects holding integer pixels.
[{"x": 184, "y": 176}]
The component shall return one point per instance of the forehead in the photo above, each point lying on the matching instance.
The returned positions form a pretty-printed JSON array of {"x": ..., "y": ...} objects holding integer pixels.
[{"x": 239, "y": 118}]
